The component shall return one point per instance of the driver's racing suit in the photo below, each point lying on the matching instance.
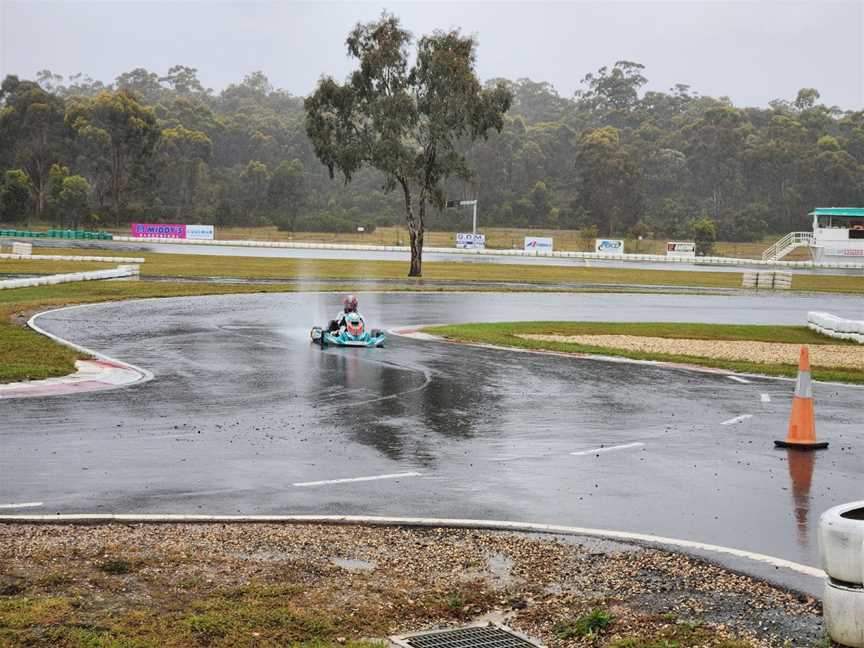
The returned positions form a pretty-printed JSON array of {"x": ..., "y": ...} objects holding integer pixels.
[{"x": 339, "y": 322}]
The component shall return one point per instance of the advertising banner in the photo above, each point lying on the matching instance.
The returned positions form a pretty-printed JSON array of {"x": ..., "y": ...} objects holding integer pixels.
[
  {"x": 160, "y": 230},
  {"x": 845, "y": 252},
  {"x": 609, "y": 246},
  {"x": 681, "y": 249},
  {"x": 200, "y": 232},
  {"x": 471, "y": 241},
  {"x": 173, "y": 231},
  {"x": 538, "y": 244}
]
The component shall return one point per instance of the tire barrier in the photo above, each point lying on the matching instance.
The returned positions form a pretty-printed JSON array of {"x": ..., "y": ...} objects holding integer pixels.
[
  {"x": 767, "y": 280},
  {"x": 119, "y": 272},
  {"x": 836, "y": 327},
  {"x": 24, "y": 249},
  {"x": 841, "y": 545},
  {"x": 57, "y": 234}
]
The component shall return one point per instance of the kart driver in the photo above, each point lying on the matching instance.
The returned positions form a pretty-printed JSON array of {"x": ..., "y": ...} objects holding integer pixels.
[{"x": 349, "y": 305}]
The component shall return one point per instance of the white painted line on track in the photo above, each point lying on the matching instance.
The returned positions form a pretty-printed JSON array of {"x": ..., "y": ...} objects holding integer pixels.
[
  {"x": 357, "y": 479},
  {"x": 582, "y": 453},
  {"x": 739, "y": 379},
  {"x": 766, "y": 398},
  {"x": 737, "y": 419},
  {"x": 21, "y": 505}
]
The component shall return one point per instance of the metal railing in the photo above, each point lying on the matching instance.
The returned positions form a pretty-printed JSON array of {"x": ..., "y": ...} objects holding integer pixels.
[{"x": 786, "y": 244}]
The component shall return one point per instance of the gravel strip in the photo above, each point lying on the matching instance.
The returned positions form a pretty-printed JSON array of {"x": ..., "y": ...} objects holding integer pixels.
[
  {"x": 346, "y": 583},
  {"x": 823, "y": 355}
]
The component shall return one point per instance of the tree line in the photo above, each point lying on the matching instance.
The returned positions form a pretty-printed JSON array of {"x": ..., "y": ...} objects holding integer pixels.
[{"x": 613, "y": 159}]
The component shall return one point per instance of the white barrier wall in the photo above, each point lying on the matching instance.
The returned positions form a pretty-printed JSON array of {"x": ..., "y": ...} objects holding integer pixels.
[
  {"x": 70, "y": 257},
  {"x": 50, "y": 280},
  {"x": 836, "y": 327}
]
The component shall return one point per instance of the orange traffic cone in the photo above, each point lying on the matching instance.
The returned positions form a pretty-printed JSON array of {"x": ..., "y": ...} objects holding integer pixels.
[{"x": 802, "y": 422}]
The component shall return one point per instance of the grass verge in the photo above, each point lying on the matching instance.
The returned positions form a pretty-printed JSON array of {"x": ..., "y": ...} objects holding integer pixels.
[
  {"x": 507, "y": 334},
  {"x": 252, "y": 267}
]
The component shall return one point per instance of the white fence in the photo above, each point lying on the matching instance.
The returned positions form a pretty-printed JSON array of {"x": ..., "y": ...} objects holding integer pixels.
[{"x": 836, "y": 327}]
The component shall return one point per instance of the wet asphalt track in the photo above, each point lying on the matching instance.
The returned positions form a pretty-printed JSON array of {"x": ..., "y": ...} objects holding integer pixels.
[{"x": 243, "y": 408}]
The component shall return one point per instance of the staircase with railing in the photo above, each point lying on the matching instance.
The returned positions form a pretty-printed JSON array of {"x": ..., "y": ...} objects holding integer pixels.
[{"x": 785, "y": 245}]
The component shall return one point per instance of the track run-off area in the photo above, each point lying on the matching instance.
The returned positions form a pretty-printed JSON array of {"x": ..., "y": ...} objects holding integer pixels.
[{"x": 245, "y": 416}]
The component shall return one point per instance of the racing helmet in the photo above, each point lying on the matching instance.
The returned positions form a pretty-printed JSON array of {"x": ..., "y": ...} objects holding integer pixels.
[
  {"x": 350, "y": 304},
  {"x": 354, "y": 324}
]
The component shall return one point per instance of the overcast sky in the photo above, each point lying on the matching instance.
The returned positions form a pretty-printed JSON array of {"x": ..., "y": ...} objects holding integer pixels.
[{"x": 750, "y": 51}]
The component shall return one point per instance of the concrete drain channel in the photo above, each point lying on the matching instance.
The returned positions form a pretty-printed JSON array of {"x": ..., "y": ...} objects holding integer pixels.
[{"x": 478, "y": 636}]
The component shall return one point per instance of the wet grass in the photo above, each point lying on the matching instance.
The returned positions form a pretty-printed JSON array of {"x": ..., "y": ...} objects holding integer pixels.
[
  {"x": 36, "y": 267},
  {"x": 507, "y": 334},
  {"x": 587, "y": 626},
  {"x": 302, "y": 270},
  {"x": 251, "y": 267}
]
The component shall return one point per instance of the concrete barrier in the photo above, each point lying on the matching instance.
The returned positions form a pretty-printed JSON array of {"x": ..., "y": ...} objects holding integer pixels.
[
  {"x": 841, "y": 545},
  {"x": 836, "y": 327},
  {"x": 49, "y": 280}
]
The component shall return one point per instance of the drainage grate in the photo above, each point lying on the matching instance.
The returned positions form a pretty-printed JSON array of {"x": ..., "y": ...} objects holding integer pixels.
[{"x": 489, "y": 636}]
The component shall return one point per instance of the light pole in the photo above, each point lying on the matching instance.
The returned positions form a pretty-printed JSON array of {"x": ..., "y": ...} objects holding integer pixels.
[{"x": 466, "y": 203}]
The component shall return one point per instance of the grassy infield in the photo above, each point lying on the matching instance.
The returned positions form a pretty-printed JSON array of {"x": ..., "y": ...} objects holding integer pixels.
[{"x": 25, "y": 355}]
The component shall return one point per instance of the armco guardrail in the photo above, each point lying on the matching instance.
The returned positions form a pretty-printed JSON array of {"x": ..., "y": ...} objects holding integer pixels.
[
  {"x": 636, "y": 258},
  {"x": 841, "y": 544},
  {"x": 836, "y": 327},
  {"x": 49, "y": 280}
]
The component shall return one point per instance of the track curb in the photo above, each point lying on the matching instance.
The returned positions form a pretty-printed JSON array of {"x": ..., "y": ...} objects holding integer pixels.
[{"x": 112, "y": 373}]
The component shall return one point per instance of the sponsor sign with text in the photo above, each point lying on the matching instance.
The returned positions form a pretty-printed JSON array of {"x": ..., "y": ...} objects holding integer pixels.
[
  {"x": 158, "y": 230},
  {"x": 538, "y": 244},
  {"x": 470, "y": 241},
  {"x": 681, "y": 249},
  {"x": 200, "y": 232},
  {"x": 609, "y": 246},
  {"x": 173, "y": 231}
]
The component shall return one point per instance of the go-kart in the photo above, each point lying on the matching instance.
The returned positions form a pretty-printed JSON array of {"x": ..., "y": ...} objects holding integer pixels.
[{"x": 352, "y": 333}]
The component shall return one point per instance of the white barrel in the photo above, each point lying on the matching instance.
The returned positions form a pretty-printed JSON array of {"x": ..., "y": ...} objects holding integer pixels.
[
  {"x": 843, "y": 610},
  {"x": 841, "y": 542}
]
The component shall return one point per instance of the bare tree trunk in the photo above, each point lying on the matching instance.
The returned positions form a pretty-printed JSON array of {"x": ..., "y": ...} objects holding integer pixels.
[
  {"x": 415, "y": 230},
  {"x": 115, "y": 187}
]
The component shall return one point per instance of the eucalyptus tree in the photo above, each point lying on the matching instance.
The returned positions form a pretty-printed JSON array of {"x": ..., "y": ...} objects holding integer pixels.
[
  {"x": 32, "y": 123},
  {"x": 119, "y": 135},
  {"x": 408, "y": 121}
]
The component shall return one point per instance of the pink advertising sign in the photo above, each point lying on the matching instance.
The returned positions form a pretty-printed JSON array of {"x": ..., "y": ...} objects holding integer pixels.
[{"x": 159, "y": 230}]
